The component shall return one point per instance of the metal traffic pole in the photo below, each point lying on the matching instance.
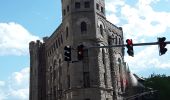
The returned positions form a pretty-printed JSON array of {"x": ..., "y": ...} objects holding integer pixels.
[{"x": 123, "y": 45}]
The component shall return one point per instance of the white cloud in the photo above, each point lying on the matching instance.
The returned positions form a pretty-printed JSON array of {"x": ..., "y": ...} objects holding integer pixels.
[
  {"x": 140, "y": 22},
  {"x": 148, "y": 58},
  {"x": 141, "y": 59},
  {"x": 112, "y": 6},
  {"x": 112, "y": 10},
  {"x": 141, "y": 19},
  {"x": 113, "y": 18},
  {"x": 147, "y": 2},
  {"x": 17, "y": 87},
  {"x": 19, "y": 84},
  {"x": 2, "y": 83},
  {"x": 3, "y": 96},
  {"x": 21, "y": 77},
  {"x": 14, "y": 39},
  {"x": 20, "y": 94}
]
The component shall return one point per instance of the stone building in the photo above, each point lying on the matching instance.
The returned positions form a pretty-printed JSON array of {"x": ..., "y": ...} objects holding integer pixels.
[{"x": 101, "y": 75}]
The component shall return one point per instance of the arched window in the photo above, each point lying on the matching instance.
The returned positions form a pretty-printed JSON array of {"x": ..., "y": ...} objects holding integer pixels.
[
  {"x": 102, "y": 10},
  {"x": 56, "y": 43},
  {"x": 61, "y": 39},
  {"x": 101, "y": 29},
  {"x": 51, "y": 69},
  {"x": 103, "y": 57},
  {"x": 119, "y": 64},
  {"x": 119, "y": 41},
  {"x": 116, "y": 41},
  {"x": 54, "y": 70},
  {"x": 83, "y": 27},
  {"x": 60, "y": 69},
  {"x": 66, "y": 32},
  {"x": 54, "y": 64}
]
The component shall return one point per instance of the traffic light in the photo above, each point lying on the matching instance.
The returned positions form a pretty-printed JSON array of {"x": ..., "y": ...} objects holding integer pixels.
[
  {"x": 80, "y": 52},
  {"x": 130, "y": 47},
  {"x": 67, "y": 53},
  {"x": 162, "y": 44}
]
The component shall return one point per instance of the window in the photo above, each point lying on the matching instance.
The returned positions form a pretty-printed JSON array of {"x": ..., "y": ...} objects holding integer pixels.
[
  {"x": 60, "y": 76},
  {"x": 102, "y": 9},
  {"x": 54, "y": 73},
  {"x": 119, "y": 63},
  {"x": 97, "y": 6},
  {"x": 64, "y": 12},
  {"x": 119, "y": 41},
  {"x": 86, "y": 79},
  {"x": 54, "y": 47},
  {"x": 51, "y": 91},
  {"x": 77, "y": 5},
  {"x": 87, "y": 4},
  {"x": 56, "y": 43},
  {"x": 116, "y": 40},
  {"x": 105, "y": 79},
  {"x": 103, "y": 57},
  {"x": 68, "y": 8},
  {"x": 83, "y": 27},
  {"x": 51, "y": 73},
  {"x": 101, "y": 29},
  {"x": 66, "y": 32},
  {"x": 61, "y": 39},
  {"x": 68, "y": 81},
  {"x": 54, "y": 92}
]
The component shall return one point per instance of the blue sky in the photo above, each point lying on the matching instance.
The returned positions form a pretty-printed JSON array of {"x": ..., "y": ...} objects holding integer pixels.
[{"x": 22, "y": 21}]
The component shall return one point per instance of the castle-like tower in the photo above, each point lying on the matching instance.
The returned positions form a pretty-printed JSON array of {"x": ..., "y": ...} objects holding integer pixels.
[{"x": 101, "y": 75}]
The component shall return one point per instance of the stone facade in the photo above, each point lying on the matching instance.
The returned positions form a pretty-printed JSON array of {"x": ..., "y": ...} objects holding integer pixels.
[
  {"x": 37, "y": 72},
  {"x": 101, "y": 75}
]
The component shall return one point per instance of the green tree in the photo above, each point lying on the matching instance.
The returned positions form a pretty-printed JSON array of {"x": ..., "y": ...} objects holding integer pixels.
[{"x": 160, "y": 83}]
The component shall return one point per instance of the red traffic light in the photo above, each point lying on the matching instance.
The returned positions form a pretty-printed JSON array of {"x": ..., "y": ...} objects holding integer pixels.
[
  {"x": 162, "y": 44},
  {"x": 129, "y": 42},
  {"x": 130, "y": 47}
]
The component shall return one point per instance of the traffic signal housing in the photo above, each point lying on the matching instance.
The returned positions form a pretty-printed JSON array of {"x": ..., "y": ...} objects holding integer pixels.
[
  {"x": 162, "y": 44},
  {"x": 80, "y": 52},
  {"x": 67, "y": 53},
  {"x": 130, "y": 47}
]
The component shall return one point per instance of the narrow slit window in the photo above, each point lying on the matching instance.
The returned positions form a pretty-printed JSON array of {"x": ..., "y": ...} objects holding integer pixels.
[
  {"x": 66, "y": 32},
  {"x": 68, "y": 8},
  {"x": 64, "y": 12},
  {"x": 102, "y": 9},
  {"x": 101, "y": 29}
]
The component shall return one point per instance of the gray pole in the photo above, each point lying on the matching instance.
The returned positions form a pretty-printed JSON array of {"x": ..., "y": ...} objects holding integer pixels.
[{"x": 123, "y": 45}]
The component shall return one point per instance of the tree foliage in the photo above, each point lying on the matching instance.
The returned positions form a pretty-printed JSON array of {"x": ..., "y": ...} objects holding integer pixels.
[{"x": 160, "y": 83}]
